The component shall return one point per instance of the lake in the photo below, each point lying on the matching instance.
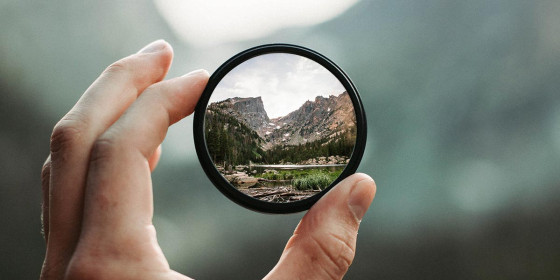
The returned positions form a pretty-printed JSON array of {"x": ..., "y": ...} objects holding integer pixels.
[{"x": 261, "y": 167}]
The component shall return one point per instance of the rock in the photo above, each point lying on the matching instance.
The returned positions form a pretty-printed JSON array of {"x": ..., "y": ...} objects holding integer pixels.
[
  {"x": 240, "y": 167},
  {"x": 254, "y": 171},
  {"x": 246, "y": 182},
  {"x": 241, "y": 179}
]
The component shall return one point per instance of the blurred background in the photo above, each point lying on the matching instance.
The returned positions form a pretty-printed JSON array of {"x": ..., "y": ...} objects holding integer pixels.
[{"x": 463, "y": 107}]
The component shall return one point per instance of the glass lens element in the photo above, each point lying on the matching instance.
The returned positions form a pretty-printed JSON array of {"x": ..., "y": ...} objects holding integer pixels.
[{"x": 280, "y": 127}]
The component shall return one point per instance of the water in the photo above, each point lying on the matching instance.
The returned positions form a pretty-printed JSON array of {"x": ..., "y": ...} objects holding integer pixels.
[
  {"x": 258, "y": 170},
  {"x": 261, "y": 167},
  {"x": 281, "y": 175}
]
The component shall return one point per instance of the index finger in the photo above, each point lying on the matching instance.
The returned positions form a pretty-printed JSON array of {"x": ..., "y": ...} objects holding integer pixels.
[
  {"x": 73, "y": 136},
  {"x": 119, "y": 193}
]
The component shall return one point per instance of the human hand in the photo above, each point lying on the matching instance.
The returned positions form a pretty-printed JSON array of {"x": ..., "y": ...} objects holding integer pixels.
[{"x": 97, "y": 191}]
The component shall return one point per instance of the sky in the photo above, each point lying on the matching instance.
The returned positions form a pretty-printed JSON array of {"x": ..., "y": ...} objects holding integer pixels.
[{"x": 284, "y": 82}]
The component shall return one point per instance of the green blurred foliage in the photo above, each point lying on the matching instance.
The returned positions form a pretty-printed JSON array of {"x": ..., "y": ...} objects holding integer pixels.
[{"x": 229, "y": 141}]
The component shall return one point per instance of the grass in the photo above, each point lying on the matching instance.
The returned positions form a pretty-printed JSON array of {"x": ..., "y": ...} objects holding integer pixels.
[
  {"x": 314, "y": 181},
  {"x": 305, "y": 179},
  {"x": 318, "y": 180},
  {"x": 285, "y": 174}
]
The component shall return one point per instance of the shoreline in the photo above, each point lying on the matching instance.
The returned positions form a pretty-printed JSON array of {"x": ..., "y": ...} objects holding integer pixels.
[{"x": 296, "y": 166}]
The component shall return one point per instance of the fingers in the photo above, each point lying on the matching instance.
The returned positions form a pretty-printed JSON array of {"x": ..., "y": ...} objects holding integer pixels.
[
  {"x": 154, "y": 158},
  {"x": 72, "y": 139},
  {"x": 45, "y": 177},
  {"x": 324, "y": 242},
  {"x": 119, "y": 194}
]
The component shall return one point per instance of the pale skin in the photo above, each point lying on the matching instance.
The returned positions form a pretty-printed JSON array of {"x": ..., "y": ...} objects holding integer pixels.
[{"x": 97, "y": 189}]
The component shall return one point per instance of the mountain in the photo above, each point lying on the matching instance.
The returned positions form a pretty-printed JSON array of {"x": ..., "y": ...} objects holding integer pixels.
[
  {"x": 248, "y": 110},
  {"x": 319, "y": 119},
  {"x": 229, "y": 138},
  {"x": 323, "y": 118},
  {"x": 239, "y": 129}
]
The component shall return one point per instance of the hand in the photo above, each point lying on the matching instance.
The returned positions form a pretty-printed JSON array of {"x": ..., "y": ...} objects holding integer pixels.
[{"x": 97, "y": 190}]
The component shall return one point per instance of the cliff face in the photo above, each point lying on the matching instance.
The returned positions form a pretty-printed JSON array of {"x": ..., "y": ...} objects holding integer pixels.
[
  {"x": 248, "y": 110},
  {"x": 321, "y": 119}
]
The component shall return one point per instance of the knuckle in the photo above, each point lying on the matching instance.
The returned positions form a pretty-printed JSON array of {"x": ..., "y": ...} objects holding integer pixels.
[
  {"x": 119, "y": 67},
  {"x": 122, "y": 70},
  {"x": 66, "y": 135},
  {"x": 345, "y": 257},
  {"x": 338, "y": 254},
  {"x": 103, "y": 149}
]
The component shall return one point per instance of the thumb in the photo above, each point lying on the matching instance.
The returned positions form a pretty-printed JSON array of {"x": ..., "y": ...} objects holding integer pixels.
[{"x": 324, "y": 242}]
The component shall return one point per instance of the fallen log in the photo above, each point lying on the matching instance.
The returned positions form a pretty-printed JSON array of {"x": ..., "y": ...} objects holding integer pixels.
[
  {"x": 273, "y": 181},
  {"x": 268, "y": 194}
]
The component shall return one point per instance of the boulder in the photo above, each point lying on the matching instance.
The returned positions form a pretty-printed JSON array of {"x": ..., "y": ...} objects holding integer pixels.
[{"x": 246, "y": 182}]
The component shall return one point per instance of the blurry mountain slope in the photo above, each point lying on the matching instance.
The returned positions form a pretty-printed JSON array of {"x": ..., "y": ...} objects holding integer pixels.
[
  {"x": 50, "y": 54},
  {"x": 59, "y": 48},
  {"x": 454, "y": 91}
]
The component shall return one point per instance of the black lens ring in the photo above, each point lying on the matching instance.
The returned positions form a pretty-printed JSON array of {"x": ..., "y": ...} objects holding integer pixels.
[{"x": 202, "y": 150}]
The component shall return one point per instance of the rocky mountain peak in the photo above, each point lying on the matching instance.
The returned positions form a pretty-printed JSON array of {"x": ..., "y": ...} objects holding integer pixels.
[
  {"x": 324, "y": 118},
  {"x": 250, "y": 110}
]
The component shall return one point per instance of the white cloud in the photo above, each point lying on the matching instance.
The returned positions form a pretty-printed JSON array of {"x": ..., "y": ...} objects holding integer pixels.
[
  {"x": 284, "y": 81},
  {"x": 206, "y": 23}
]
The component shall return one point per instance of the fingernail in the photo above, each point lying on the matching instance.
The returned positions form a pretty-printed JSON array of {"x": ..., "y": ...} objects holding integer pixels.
[
  {"x": 361, "y": 197},
  {"x": 196, "y": 73},
  {"x": 154, "y": 46}
]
